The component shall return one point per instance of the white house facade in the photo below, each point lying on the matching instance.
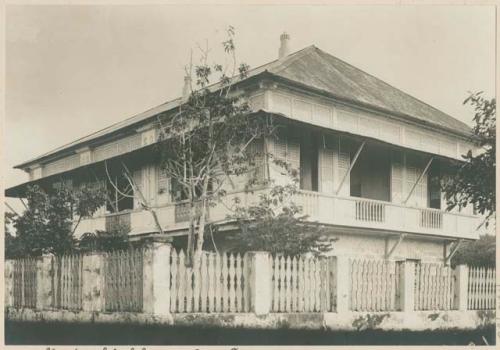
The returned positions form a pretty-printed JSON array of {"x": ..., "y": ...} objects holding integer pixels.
[{"x": 371, "y": 159}]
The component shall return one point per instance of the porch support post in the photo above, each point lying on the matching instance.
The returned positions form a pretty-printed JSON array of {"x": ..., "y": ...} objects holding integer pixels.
[
  {"x": 461, "y": 285},
  {"x": 9, "y": 283},
  {"x": 93, "y": 282},
  {"x": 260, "y": 282},
  {"x": 342, "y": 282},
  {"x": 407, "y": 285},
  {"x": 156, "y": 278},
  {"x": 350, "y": 167},
  {"x": 44, "y": 282},
  {"x": 418, "y": 180}
]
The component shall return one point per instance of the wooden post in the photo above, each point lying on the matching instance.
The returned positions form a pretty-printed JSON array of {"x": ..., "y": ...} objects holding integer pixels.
[
  {"x": 260, "y": 282},
  {"x": 9, "y": 283},
  {"x": 342, "y": 283},
  {"x": 407, "y": 285},
  {"x": 461, "y": 286},
  {"x": 93, "y": 282},
  {"x": 44, "y": 282},
  {"x": 156, "y": 278}
]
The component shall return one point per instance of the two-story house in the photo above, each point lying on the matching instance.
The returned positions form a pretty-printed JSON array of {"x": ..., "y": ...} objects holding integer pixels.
[{"x": 371, "y": 159}]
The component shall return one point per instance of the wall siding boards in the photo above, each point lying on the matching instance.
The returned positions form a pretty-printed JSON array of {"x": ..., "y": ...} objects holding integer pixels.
[{"x": 298, "y": 106}]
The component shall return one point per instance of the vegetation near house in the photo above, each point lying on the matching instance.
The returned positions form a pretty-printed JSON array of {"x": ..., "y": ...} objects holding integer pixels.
[
  {"x": 474, "y": 179},
  {"x": 208, "y": 140},
  {"x": 275, "y": 224},
  {"x": 480, "y": 253},
  {"x": 46, "y": 226}
]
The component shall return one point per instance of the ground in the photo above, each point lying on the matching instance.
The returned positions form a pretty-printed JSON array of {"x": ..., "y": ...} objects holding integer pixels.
[{"x": 58, "y": 333}]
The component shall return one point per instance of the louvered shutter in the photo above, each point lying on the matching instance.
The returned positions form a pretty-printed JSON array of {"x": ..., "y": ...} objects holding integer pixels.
[
  {"x": 343, "y": 163},
  {"x": 139, "y": 178},
  {"x": 256, "y": 149},
  {"x": 397, "y": 177},
  {"x": 326, "y": 165},
  {"x": 293, "y": 153},
  {"x": 414, "y": 169},
  {"x": 286, "y": 148},
  {"x": 163, "y": 187}
]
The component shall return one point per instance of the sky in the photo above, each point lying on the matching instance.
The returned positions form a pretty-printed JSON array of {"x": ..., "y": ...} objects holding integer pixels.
[{"x": 74, "y": 69}]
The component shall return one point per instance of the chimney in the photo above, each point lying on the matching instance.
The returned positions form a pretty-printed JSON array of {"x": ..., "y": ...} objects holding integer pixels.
[
  {"x": 186, "y": 90},
  {"x": 284, "y": 48}
]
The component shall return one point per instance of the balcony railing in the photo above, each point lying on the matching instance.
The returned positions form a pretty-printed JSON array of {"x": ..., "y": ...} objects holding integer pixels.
[
  {"x": 373, "y": 214},
  {"x": 351, "y": 212}
]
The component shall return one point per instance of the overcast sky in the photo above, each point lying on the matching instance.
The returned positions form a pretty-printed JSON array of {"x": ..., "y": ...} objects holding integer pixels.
[{"x": 71, "y": 70}]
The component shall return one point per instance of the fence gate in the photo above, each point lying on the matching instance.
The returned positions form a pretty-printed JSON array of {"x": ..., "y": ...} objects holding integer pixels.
[
  {"x": 301, "y": 284},
  {"x": 481, "y": 288},
  {"x": 123, "y": 280},
  {"x": 434, "y": 287},
  {"x": 374, "y": 285},
  {"x": 219, "y": 283},
  {"x": 25, "y": 284},
  {"x": 67, "y": 271}
]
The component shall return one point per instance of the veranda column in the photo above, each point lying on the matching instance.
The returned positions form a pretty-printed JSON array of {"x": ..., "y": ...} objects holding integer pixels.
[
  {"x": 156, "y": 278},
  {"x": 44, "y": 282},
  {"x": 407, "y": 285},
  {"x": 9, "y": 283},
  {"x": 93, "y": 282},
  {"x": 260, "y": 282},
  {"x": 461, "y": 286},
  {"x": 342, "y": 282}
]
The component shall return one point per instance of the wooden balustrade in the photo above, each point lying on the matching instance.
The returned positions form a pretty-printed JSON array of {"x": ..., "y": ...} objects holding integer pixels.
[{"x": 431, "y": 219}]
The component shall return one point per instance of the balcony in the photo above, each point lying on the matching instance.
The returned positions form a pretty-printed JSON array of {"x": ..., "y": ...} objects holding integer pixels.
[
  {"x": 371, "y": 214},
  {"x": 352, "y": 212}
]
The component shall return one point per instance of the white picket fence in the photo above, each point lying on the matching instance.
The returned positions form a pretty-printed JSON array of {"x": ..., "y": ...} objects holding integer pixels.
[
  {"x": 303, "y": 284},
  {"x": 481, "y": 289},
  {"x": 374, "y": 285},
  {"x": 218, "y": 284},
  {"x": 434, "y": 287}
]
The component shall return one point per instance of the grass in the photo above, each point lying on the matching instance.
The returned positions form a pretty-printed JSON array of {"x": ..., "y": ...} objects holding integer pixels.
[{"x": 59, "y": 333}]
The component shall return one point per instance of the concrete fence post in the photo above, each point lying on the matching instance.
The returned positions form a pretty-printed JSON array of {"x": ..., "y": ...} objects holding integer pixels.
[
  {"x": 93, "y": 282},
  {"x": 156, "y": 278},
  {"x": 44, "y": 282},
  {"x": 9, "y": 283},
  {"x": 407, "y": 285},
  {"x": 342, "y": 283},
  {"x": 461, "y": 287},
  {"x": 260, "y": 282}
]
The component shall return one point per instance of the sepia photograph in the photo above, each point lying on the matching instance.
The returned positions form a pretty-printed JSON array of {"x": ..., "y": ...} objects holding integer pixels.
[{"x": 249, "y": 174}]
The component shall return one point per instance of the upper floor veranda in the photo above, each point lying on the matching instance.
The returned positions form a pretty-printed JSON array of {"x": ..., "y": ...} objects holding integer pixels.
[{"x": 362, "y": 166}]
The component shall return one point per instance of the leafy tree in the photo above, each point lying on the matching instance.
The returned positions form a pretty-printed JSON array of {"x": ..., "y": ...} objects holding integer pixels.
[
  {"x": 275, "y": 224},
  {"x": 206, "y": 141},
  {"x": 12, "y": 247},
  {"x": 103, "y": 240},
  {"x": 46, "y": 226},
  {"x": 473, "y": 181},
  {"x": 477, "y": 253}
]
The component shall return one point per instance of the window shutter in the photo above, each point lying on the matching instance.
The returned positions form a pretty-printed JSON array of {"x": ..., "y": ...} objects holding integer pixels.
[
  {"x": 256, "y": 148},
  {"x": 293, "y": 153},
  {"x": 414, "y": 168},
  {"x": 163, "y": 186},
  {"x": 326, "y": 165},
  {"x": 343, "y": 163},
  {"x": 397, "y": 177}
]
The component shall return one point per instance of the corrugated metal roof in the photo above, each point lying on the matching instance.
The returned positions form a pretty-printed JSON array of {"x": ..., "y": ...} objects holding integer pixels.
[{"x": 316, "y": 69}]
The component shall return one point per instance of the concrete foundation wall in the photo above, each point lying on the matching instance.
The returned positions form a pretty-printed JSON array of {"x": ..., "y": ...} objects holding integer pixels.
[{"x": 346, "y": 321}]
